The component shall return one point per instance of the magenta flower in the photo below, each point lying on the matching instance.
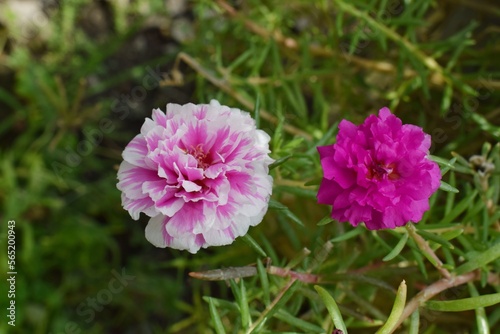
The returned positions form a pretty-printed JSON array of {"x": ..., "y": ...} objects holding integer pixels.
[
  {"x": 201, "y": 172},
  {"x": 378, "y": 173}
]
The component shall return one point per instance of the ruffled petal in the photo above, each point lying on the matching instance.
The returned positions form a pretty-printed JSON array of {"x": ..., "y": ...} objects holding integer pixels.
[
  {"x": 201, "y": 172},
  {"x": 378, "y": 173}
]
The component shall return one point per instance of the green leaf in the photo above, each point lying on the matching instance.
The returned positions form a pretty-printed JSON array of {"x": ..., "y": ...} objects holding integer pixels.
[
  {"x": 446, "y": 187},
  {"x": 450, "y": 197},
  {"x": 256, "y": 111},
  {"x": 450, "y": 235},
  {"x": 244, "y": 311},
  {"x": 442, "y": 162},
  {"x": 297, "y": 322},
  {"x": 481, "y": 318},
  {"x": 224, "y": 304},
  {"x": 279, "y": 162},
  {"x": 414, "y": 322},
  {"x": 464, "y": 304},
  {"x": 459, "y": 208},
  {"x": 348, "y": 235},
  {"x": 273, "y": 204},
  {"x": 480, "y": 260},
  {"x": 324, "y": 221},
  {"x": 435, "y": 238},
  {"x": 446, "y": 101},
  {"x": 219, "y": 328},
  {"x": 397, "y": 249},
  {"x": 396, "y": 312},
  {"x": 298, "y": 191},
  {"x": 264, "y": 282},
  {"x": 253, "y": 244},
  {"x": 236, "y": 291},
  {"x": 332, "y": 308},
  {"x": 277, "y": 306}
]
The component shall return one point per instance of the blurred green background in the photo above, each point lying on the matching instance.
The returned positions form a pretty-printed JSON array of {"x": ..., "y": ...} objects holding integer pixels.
[{"x": 78, "y": 77}]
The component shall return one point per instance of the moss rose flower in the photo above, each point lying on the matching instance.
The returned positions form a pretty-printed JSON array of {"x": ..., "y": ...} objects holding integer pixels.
[
  {"x": 200, "y": 172},
  {"x": 378, "y": 173}
]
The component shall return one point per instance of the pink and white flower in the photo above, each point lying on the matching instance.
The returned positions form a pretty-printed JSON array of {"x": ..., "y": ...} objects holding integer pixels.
[{"x": 201, "y": 172}]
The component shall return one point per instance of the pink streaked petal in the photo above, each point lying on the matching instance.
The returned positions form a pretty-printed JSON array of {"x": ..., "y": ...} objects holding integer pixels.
[
  {"x": 242, "y": 183},
  {"x": 185, "y": 155},
  {"x": 131, "y": 179},
  {"x": 136, "y": 151},
  {"x": 157, "y": 234},
  {"x": 194, "y": 173},
  {"x": 136, "y": 206},
  {"x": 209, "y": 221},
  {"x": 200, "y": 112},
  {"x": 167, "y": 174},
  {"x": 154, "y": 137},
  {"x": 196, "y": 135},
  {"x": 186, "y": 220},
  {"x": 169, "y": 205},
  {"x": 215, "y": 170},
  {"x": 158, "y": 190},
  {"x": 235, "y": 149},
  {"x": 159, "y": 117},
  {"x": 225, "y": 214}
]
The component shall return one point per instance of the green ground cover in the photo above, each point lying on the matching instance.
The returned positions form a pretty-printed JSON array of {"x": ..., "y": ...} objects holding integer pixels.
[{"x": 77, "y": 79}]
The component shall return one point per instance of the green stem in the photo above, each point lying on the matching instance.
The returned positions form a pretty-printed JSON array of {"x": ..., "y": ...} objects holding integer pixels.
[
  {"x": 427, "y": 250},
  {"x": 429, "y": 62},
  {"x": 432, "y": 290}
]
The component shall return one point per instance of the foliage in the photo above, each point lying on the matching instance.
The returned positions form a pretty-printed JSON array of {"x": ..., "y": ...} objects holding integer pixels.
[{"x": 75, "y": 89}]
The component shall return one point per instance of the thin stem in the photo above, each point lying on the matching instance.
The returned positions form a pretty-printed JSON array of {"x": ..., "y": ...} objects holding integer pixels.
[
  {"x": 303, "y": 277},
  {"x": 433, "y": 290},
  {"x": 248, "y": 271},
  {"x": 438, "y": 79},
  {"x": 292, "y": 44},
  {"x": 427, "y": 250},
  {"x": 275, "y": 301},
  {"x": 429, "y": 62},
  {"x": 440, "y": 286}
]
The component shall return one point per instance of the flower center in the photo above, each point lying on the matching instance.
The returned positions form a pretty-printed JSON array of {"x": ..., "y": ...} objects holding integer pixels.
[
  {"x": 200, "y": 155},
  {"x": 380, "y": 171}
]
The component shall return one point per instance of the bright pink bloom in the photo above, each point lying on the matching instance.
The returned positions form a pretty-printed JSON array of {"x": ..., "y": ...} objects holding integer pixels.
[
  {"x": 200, "y": 172},
  {"x": 378, "y": 173}
]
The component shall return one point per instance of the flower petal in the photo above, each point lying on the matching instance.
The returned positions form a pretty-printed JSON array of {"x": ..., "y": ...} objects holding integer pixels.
[
  {"x": 378, "y": 172},
  {"x": 200, "y": 171}
]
